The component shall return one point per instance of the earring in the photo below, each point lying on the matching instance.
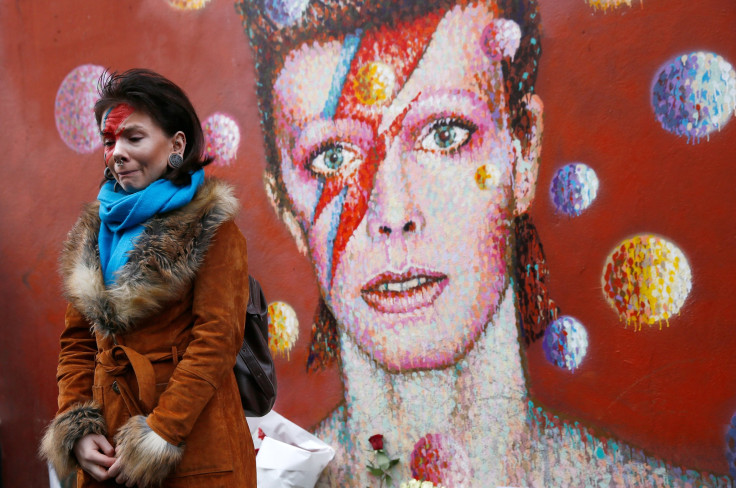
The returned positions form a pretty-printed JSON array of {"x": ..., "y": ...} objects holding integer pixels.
[
  {"x": 175, "y": 160},
  {"x": 108, "y": 174}
]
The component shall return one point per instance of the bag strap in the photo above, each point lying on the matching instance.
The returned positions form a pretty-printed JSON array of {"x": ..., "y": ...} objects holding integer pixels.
[
  {"x": 258, "y": 308},
  {"x": 256, "y": 370}
]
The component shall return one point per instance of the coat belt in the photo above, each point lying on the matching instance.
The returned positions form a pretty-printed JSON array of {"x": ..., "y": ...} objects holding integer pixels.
[{"x": 118, "y": 360}]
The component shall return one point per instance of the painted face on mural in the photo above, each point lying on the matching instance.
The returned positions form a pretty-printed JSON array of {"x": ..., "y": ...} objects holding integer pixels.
[
  {"x": 136, "y": 149},
  {"x": 402, "y": 179}
]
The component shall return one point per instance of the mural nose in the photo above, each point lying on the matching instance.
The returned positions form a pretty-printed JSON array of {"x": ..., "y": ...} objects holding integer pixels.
[
  {"x": 394, "y": 215},
  {"x": 393, "y": 208},
  {"x": 410, "y": 226}
]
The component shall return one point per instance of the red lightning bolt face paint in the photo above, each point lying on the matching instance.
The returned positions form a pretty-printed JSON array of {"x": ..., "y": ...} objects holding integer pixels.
[
  {"x": 370, "y": 85},
  {"x": 136, "y": 147},
  {"x": 112, "y": 125}
]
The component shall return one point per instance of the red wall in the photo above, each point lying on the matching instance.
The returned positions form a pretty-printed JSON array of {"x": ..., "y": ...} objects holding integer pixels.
[{"x": 670, "y": 391}]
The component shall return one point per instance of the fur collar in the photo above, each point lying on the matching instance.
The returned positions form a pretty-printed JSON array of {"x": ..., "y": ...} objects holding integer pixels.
[{"x": 163, "y": 262}]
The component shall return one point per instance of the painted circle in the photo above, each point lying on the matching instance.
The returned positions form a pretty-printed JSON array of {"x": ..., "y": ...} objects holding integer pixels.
[
  {"x": 573, "y": 189},
  {"x": 283, "y": 328},
  {"x": 731, "y": 446},
  {"x": 694, "y": 95},
  {"x": 222, "y": 138},
  {"x": 189, "y": 4},
  {"x": 285, "y": 12},
  {"x": 374, "y": 83},
  {"x": 565, "y": 343},
  {"x": 74, "y": 108},
  {"x": 606, "y": 4},
  {"x": 487, "y": 176},
  {"x": 646, "y": 279},
  {"x": 439, "y": 458},
  {"x": 500, "y": 38}
]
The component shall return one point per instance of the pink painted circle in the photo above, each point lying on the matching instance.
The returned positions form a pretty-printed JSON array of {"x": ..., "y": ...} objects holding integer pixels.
[
  {"x": 74, "y": 108},
  {"x": 439, "y": 458},
  {"x": 222, "y": 138}
]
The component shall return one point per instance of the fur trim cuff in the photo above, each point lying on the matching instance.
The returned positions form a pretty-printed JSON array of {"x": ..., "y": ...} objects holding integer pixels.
[
  {"x": 64, "y": 431},
  {"x": 146, "y": 458}
]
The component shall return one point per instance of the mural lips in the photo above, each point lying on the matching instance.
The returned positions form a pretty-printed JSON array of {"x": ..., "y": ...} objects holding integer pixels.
[{"x": 404, "y": 292}]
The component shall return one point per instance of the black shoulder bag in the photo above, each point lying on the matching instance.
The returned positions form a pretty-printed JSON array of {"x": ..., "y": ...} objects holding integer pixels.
[{"x": 254, "y": 368}]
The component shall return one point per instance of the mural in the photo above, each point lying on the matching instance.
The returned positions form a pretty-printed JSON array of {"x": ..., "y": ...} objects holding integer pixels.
[
  {"x": 495, "y": 236},
  {"x": 404, "y": 142}
]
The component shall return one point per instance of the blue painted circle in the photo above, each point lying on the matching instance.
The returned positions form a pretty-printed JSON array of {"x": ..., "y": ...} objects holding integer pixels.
[
  {"x": 573, "y": 189},
  {"x": 694, "y": 95},
  {"x": 565, "y": 343},
  {"x": 285, "y": 12},
  {"x": 731, "y": 447}
]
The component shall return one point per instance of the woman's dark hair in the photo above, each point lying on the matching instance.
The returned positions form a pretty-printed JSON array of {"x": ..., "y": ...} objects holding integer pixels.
[{"x": 166, "y": 103}]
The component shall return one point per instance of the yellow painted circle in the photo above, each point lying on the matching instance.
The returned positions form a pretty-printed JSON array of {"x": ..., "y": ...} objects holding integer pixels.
[
  {"x": 283, "y": 329},
  {"x": 606, "y": 4},
  {"x": 374, "y": 83},
  {"x": 188, "y": 4},
  {"x": 646, "y": 279},
  {"x": 487, "y": 176}
]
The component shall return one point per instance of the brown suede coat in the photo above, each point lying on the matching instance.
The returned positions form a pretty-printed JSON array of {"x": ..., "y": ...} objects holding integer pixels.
[{"x": 148, "y": 362}]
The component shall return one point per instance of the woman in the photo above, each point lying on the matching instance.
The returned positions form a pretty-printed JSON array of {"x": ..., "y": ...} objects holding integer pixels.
[
  {"x": 404, "y": 140},
  {"x": 156, "y": 276}
]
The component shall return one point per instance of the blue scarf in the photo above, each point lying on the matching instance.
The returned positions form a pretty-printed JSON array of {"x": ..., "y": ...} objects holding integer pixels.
[{"x": 122, "y": 215}]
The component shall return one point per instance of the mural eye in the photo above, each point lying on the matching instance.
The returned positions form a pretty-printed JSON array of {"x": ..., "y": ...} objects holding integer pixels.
[
  {"x": 446, "y": 135},
  {"x": 334, "y": 157}
]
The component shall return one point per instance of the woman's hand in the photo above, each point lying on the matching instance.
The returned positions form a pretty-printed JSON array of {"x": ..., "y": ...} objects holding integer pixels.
[
  {"x": 116, "y": 471},
  {"x": 95, "y": 455}
]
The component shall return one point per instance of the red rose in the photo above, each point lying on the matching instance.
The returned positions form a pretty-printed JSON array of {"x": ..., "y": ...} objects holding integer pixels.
[{"x": 376, "y": 442}]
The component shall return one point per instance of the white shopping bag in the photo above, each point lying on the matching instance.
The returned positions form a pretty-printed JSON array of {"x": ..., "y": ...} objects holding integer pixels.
[{"x": 288, "y": 456}]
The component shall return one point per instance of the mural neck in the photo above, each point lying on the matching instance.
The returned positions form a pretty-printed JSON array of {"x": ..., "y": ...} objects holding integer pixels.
[{"x": 485, "y": 389}]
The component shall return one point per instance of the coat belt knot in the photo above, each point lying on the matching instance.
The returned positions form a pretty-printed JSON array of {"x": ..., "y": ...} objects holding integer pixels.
[{"x": 118, "y": 360}]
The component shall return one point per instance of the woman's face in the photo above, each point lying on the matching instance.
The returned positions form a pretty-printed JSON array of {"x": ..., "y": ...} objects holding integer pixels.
[
  {"x": 136, "y": 149},
  {"x": 402, "y": 182}
]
